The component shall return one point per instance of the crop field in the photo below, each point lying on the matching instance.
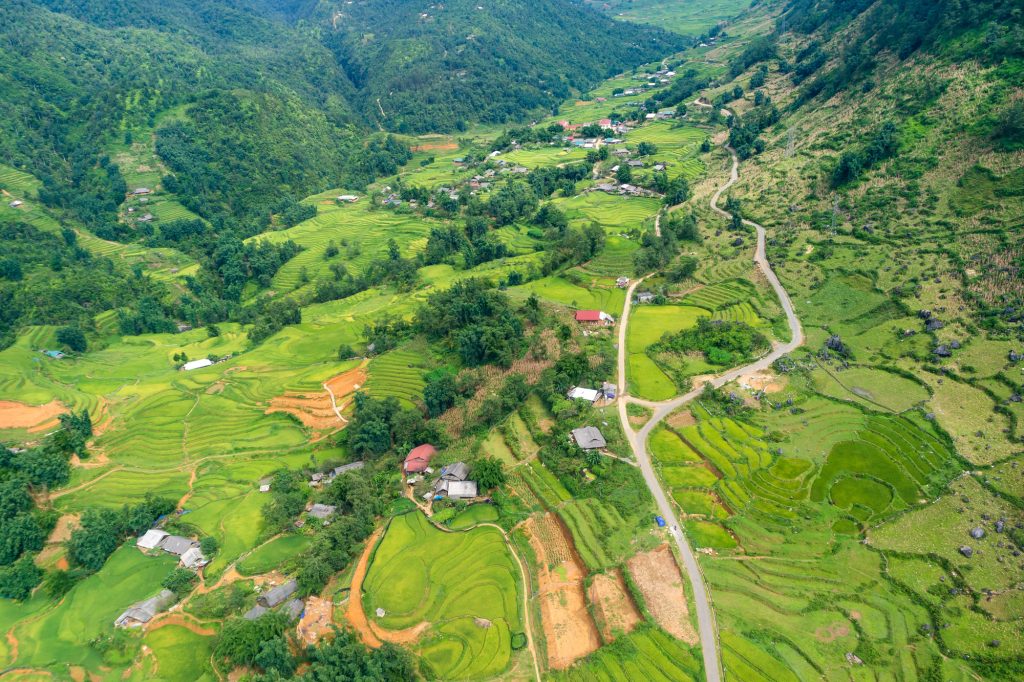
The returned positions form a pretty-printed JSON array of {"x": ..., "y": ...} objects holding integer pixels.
[
  {"x": 647, "y": 653},
  {"x": 678, "y": 147},
  {"x": 615, "y": 260},
  {"x": 722, "y": 296},
  {"x": 688, "y": 18},
  {"x": 545, "y": 156},
  {"x": 599, "y": 532},
  {"x": 544, "y": 484},
  {"x": 473, "y": 515},
  {"x": 449, "y": 579},
  {"x": 647, "y": 324},
  {"x": 877, "y": 387},
  {"x": 181, "y": 655},
  {"x": 668, "y": 448},
  {"x": 397, "y": 373},
  {"x": 611, "y": 211},
  {"x": 558, "y": 290},
  {"x": 269, "y": 556},
  {"x": 89, "y": 610}
]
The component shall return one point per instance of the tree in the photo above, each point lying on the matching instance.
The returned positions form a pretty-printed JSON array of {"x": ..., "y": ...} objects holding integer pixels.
[
  {"x": 345, "y": 658},
  {"x": 19, "y": 579},
  {"x": 240, "y": 641},
  {"x": 180, "y": 581},
  {"x": 646, "y": 149},
  {"x": 439, "y": 392},
  {"x": 275, "y": 656},
  {"x": 72, "y": 338},
  {"x": 209, "y": 546},
  {"x": 489, "y": 473},
  {"x": 624, "y": 174}
]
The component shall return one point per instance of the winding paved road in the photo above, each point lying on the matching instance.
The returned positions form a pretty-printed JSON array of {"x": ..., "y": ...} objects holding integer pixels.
[{"x": 638, "y": 439}]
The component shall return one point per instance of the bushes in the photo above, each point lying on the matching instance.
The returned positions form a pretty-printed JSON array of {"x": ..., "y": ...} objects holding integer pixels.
[{"x": 103, "y": 530}]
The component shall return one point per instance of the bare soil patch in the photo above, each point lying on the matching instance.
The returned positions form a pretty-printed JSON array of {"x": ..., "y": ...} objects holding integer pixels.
[
  {"x": 434, "y": 146},
  {"x": 660, "y": 581},
  {"x": 317, "y": 620},
  {"x": 315, "y": 410},
  {"x": 354, "y": 613},
  {"x": 832, "y": 632},
  {"x": 614, "y": 609},
  {"x": 763, "y": 381},
  {"x": 681, "y": 420},
  {"x": 34, "y": 418},
  {"x": 180, "y": 619},
  {"x": 568, "y": 628}
]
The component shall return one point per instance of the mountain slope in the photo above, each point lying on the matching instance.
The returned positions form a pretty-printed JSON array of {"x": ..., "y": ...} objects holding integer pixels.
[{"x": 437, "y": 67}]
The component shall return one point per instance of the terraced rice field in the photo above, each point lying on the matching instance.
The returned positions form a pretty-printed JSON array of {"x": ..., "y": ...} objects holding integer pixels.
[
  {"x": 647, "y": 653},
  {"x": 398, "y": 374},
  {"x": 611, "y": 211},
  {"x": 647, "y": 324},
  {"x": 722, "y": 295},
  {"x": 593, "y": 525},
  {"x": 558, "y": 290},
  {"x": 615, "y": 260},
  {"x": 455, "y": 581}
]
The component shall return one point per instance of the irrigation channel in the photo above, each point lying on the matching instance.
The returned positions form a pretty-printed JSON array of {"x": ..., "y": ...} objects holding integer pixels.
[{"x": 638, "y": 439}]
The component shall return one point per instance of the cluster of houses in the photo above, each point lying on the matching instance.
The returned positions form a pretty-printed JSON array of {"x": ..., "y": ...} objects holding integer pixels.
[
  {"x": 452, "y": 481},
  {"x": 625, "y": 189},
  {"x": 187, "y": 549},
  {"x": 320, "y": 478}
]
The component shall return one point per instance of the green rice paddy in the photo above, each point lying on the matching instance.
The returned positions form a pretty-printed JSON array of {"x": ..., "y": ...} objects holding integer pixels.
[{"x": 421, "y": 574}]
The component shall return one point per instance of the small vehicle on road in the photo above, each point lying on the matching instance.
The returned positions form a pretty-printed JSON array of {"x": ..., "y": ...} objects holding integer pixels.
[{"x": 660, "y": 521}]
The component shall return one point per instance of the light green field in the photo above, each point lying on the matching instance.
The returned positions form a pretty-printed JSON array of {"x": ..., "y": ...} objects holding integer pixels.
[
  {"x": 89, "y": 610},
  {"x": 689, "y": 17},
  {"x": 545, "y": 156},
  {"x": 422, "y": 574},
  {"x": 181, "y": 656},
  {"x": 647, "y": 653},
  {"x": 473, "y": 515},
  {"x": 608, "y": 298},
  {"x": 647, "y": 324},
  {"x": 875, "y": 387},
  {"x": 668, "y": 448},
  {"x": 269, "y": 556},
  {"x": 611, "y": 211}
]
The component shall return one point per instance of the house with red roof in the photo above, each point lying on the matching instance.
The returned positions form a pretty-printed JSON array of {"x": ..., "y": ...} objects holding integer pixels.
[
  {"x": 418, "y": 458},
  {"x": 594, "y": 317}
]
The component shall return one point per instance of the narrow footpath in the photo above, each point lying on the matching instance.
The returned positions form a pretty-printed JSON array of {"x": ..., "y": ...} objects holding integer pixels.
[{"x": 638, "y": 439}]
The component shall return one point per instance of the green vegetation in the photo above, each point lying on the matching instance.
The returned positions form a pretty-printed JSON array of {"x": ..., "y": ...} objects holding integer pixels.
[
  {"x": 420, "y": 573},
  {"x": 646, "y": 653}
]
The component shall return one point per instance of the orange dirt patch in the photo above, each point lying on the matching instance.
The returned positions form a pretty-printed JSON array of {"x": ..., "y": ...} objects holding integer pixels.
[
  {"x": 660, "y": 581},
  {"x": 354, "y": 609},
  {"x": 435, "y": 146},
  {"x": 315, "y": 410},
  {"x": 614, "y": 609},
  {"x": 62, "y": 531},
  {"x": 763, "y": 381},
  {"x": 681, "y": 419},
  {"x": 34, "y": 418},
  {"x": 317, "y": 620},
  {"x": 568, "y": 628},
  {"x": 406, "y": 636},
  {"x": 96, "y": 459}
]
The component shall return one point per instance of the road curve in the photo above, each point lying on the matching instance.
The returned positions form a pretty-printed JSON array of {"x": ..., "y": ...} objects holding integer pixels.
[{"x": 638, "y": 439}]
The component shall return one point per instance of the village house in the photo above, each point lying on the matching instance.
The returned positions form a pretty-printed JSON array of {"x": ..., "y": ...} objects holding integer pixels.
[
  {"x": 418, "y": 459},
  {"x": 608, "y": 187},
  {"x": 594, "y": 317},
  {"x": 588, "y": 438},
  {"x": 55, "y": 354},
  {"x": 650, "y": 117},
  {"x": 348, "y": 198},
  {"x": 144, "y": 611},
  {"x": 621, "y": 152},
  {"x": 635, "y": 163},
  {"x": 294, "y": 608},
  {"x": 264, "y": 484},
  {"x": 139, "y": 191},
  {"x": 322, "y": 511},
  {"x": 15, "y": 204},
  {"x": 605, "y": 123},
  {"x": 644, "y": 297},
  {"x": 255, "y": 612},
  {"x": 147, "y": 218},
  {"x": 278, "y": 595},
  {"x": 151, "y": 539},
  {"x": 622, "y": 282},
  {"x": 579, "y": 393},
  {"x": 452, "y": 483},
  {"x": 194, "y": 558},
  {"x": 176, "y": 544}
]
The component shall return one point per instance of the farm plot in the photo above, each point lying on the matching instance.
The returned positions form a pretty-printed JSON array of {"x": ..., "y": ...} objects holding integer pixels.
[
  {"x": 722, "y": 295},
  {"x": 465, "y": 584},
  {"x": 569, "y": 630},
  {"x": 609, "y": 299},
  {"x": 269, "y": 556},
  {"x": 615, "y": 259},
  {"x": 88, "y": 611},
  {"x": 647, "y": 653},
  {"x": 968, "y": 415},
  {"x": 611, "y": 211},
  {"x": 614, "y": 610},
  {"x": 872, "y": 386},
  {"x": 399, "y": 374},
  {"x": 647, "y": 325},
  {"x": 660, "y": 582},
  {"x": 180, "y": 655},
  {"x": 599, "y": 532}
]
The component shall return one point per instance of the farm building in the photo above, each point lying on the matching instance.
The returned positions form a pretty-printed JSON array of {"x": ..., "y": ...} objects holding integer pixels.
[
  {"x": 139, "y": 191},
  {"x": 418, "y": 458},
  {"x": 594, "y": 316},
  {"x": 458, "y": 471},
  {"x": 15, "y": 204},
  {"x": 196, "y": 364},
  {"x": 294, "y": 608},
  {"x": 264, "y": 484},
  {"x": 278, "y": 595},
  {"x": 588, "y": 394},
  {"x": 144, "y": 611},
  {"x": 644, "y": 297},
  {"x": 322, "y": 511},
  {"x": 176, "y": 544},
  {"x": 456, "y": 490},
  {"x": 348, "y": 198},
  {"x": 608, "y": 390},
  {"x": 255, "y": 612},
  {"x": 622, "y": 282},
  {"x": 635, "y": 163},
  {"x": 354, "y": 466},
  {"x": 55, "y": 354},
  {"x": 609, "y": 187},
  {"x": 193, "y": 558},
  {"x": 588, "y": 438},
  {"x": 147, "y": 218},
  {"x": 151, "y": 539}
]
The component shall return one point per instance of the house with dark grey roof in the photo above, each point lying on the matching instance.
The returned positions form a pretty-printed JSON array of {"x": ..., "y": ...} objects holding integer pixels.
[
  {"x": 588, "y": 438},
  {"x": 294, "y": 608},
  {"x": 278, "y": 595},
  {"x": 255, "y": 612},
  {"x": 456, "y": 490},
  {"x": 141, "y": 613},
  {"x": 176, "y": 544},
  {"x": 458, "y": 471}
]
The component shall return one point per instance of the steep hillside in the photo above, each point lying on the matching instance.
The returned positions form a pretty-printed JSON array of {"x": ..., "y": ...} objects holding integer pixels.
[{"x": 438, "y": 67}]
